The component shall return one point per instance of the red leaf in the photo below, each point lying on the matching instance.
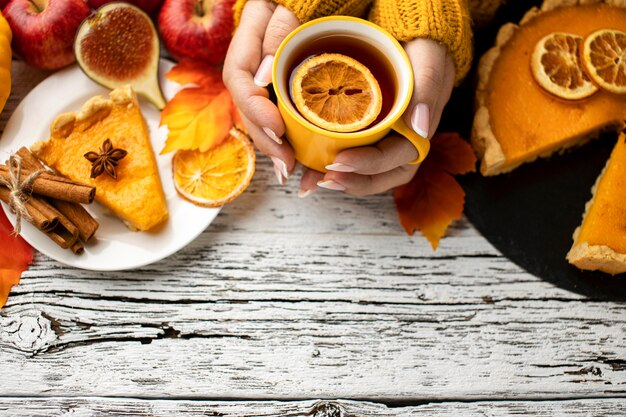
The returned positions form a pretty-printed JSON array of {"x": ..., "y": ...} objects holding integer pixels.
[
  {"x": 452, "y": 153},
  {"x": 433, "y": 198},
  {"x": 15, "y": 256},
  {"x": 198, "y": 73}
]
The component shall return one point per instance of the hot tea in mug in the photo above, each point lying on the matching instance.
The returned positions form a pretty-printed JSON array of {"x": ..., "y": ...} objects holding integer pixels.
[
  {"x": 350, "y": 46},
  {"x": 370, "y": 61}
]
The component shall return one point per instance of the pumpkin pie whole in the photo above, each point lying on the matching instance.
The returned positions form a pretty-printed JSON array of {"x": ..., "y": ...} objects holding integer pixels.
[
  {"x": 600, "y": 241},
  {"x": 516, "y": 120},
  {"x": 136, "y": 196}
]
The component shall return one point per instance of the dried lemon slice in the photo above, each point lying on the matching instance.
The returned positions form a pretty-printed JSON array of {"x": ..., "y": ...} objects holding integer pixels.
[
  {"x": 556, "y": 66},
  {"x": 215, "y": 177},
  {"x": 604, "y": 58},
  {"x": 336, "y": 92}
]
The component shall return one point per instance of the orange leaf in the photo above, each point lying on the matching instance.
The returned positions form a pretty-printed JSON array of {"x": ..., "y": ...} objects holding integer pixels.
[
  {"x": 200, "y": 116},
  {"x": 433, "y": 198},
  {"x": 15, "y": 255},
  {"x": 197, "y": 119}
]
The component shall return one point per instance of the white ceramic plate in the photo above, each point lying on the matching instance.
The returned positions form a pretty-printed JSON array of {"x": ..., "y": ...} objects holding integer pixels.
[{"x": 115, "y": 247}]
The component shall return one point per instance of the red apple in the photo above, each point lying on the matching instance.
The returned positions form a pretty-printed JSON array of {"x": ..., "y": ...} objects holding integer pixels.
[
  {"x": 3, "y": 3},
  {"x": 44, "y": 30},
  {"x": 148, "y": 6},
  {"x": 197, "y": 29}
]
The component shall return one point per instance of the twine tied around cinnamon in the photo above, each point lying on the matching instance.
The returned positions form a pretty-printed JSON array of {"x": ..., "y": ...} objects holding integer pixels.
[{"x": 19, "y": 191}]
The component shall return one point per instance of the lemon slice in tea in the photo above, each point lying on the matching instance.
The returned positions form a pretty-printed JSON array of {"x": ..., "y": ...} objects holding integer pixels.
[{"x": 336, "y": 92}]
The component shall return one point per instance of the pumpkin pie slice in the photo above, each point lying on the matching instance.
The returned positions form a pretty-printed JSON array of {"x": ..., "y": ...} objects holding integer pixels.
[
  {"x": 516, "y": 120},
  {"x": 135, "y": 195},
  {"x": 600, "y": 241}
]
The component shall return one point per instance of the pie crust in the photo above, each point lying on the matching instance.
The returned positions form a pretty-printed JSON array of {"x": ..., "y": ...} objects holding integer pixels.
[{"x": 593, "y": 256}]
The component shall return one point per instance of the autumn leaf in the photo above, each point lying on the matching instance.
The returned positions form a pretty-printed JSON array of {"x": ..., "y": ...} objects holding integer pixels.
[
  {"x": 451, "y": 153},
  {"x": 15, "y": 256},
  {"x": 433, "y": 198},
  {"x": 200, "y": 115},
  {"x": 199, "y": 73}
]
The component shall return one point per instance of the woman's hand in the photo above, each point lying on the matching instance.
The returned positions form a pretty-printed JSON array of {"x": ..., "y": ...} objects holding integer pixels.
[
  {"x": 375, "y": 169},
  {"x": 248, "y": 71}
]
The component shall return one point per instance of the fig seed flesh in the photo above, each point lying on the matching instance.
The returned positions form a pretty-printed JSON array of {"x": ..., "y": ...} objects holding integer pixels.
[{"x": 119, "y": 44}]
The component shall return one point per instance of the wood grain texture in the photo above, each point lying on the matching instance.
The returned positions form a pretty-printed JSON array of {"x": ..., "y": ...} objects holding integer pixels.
[
  {"x": 95, "y": 407},
  {"x": 282, "y": 298}
]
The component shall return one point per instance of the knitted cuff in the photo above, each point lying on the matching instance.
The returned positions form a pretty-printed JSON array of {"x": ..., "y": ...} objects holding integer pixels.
[
  {"x": 445, "y": 21},
  {"x": 306, "y": 10}
]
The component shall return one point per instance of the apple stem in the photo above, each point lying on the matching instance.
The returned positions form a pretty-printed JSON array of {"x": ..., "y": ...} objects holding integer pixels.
[
  {"x": 38, "y": 8},
  {"x": 199, "y": 8}
]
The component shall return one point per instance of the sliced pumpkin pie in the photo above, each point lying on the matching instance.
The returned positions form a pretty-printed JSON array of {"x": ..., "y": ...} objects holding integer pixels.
[
  {"x": 600, "y": 241},
  {"x": 517, "y": 120},
  {"x": 121, "y": 163}
]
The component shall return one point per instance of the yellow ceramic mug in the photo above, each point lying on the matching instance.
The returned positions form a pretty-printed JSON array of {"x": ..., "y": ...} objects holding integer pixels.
[{"x": 315, "y": 147}]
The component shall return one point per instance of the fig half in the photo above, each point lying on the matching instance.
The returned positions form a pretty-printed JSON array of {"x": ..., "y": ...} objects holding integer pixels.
[{"x": 118, "y": 45}]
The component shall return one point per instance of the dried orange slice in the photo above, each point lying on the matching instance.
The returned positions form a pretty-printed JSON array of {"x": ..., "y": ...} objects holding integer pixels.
[
  {"x": 336, "y": 92},
  {"x": 556, "y": 66},
  {"x": 217, "y": 176},
  {"x": 604, "y": 58}
]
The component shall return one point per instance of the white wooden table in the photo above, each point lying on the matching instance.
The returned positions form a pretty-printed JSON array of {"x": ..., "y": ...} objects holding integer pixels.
[{"x": 318, "y": 307}]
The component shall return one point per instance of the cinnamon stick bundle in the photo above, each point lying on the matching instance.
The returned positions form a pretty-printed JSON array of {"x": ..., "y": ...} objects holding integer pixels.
[
  {"x": 65, "y": 233},
  {"x": 43, "y": 217},
  {"x": 28, "y": 160},
  {"x": 54, "y": 203},
  {"x": 77, "y": 248},
  {"x": 87, "y": 225},
  {"x": 54, "y": 186},
  {"x": 47, "y": 219}
]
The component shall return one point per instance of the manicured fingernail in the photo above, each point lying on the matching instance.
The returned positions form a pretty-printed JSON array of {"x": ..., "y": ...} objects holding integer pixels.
[
  {"x": 340, "y": 168},
  {"x": 263, "y": 76},
  {"x": 420, "y": 119},
  {"x": 282, "y": 166},
  {"x": 280, "y": 169},
  {"x": 269, "y": 132},
  {"x": 305, "y": 193},
  {"x": 331, "y": 185},
  {"x": 279, "y": 176}
]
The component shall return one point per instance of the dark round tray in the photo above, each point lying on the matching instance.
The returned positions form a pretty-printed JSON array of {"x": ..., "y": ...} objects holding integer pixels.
[{"x": 529, "y": 215}]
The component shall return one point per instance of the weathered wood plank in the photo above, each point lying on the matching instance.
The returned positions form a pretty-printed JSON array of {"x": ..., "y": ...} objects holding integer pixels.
[
  {"x": 263, "y": 248},
  {"x": 59, "y": 344},
  {"x": 324, "y": 297},
  {"x": 83, "y": 407},
  {"x": 257, "y": 266},
  {"x": 275, "y": 320}
]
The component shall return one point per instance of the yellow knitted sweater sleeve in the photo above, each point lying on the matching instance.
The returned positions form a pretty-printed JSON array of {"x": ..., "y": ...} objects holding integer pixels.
[
  {"x": 306, "y": 10},
  {"x": 445, "y": 21}
]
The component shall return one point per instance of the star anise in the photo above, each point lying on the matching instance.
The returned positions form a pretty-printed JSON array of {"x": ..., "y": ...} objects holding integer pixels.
[{"x": 106, "y": 160}]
